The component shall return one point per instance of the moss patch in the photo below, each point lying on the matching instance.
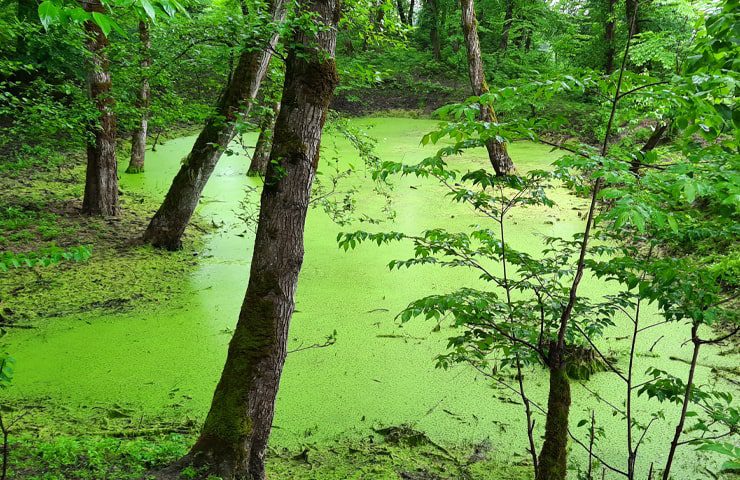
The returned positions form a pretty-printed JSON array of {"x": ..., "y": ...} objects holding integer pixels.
[
  {"x": 95, "y": 457},
  {"x": 41, "y": 209}
]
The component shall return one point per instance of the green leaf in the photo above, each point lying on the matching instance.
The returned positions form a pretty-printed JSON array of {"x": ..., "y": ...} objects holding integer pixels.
[
  {"x": 148, "y": 8},
  {"x": 103, "y": 21},
  {"x": 49, "y": 14}
]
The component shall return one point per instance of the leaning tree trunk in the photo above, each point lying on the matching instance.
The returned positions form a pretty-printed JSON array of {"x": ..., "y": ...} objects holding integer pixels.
[
  {"x": 168, "y": 224},
  {"x": 233, "y": 441},
  {"x": 261, "y": 155},
  {"x": 552, "y": 464},
  {"x": 138, "y": 137},
  {"x": 497, "y": 153},
  {"x": 508, "y": 17},
  {"x": 101, "y": 177},
  {"x": 652, "y": 142}
]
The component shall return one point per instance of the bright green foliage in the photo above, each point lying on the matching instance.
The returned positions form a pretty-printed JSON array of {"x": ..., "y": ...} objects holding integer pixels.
[
  {"x": 6, "y": 370},
  {"x": 667, "y": 226},
  {"x": 44, "y": 258}
]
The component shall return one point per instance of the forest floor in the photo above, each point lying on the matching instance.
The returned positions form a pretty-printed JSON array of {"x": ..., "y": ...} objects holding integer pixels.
[
  {"x": 40, "y": 214},
  {"x": 397, "y": 453}
]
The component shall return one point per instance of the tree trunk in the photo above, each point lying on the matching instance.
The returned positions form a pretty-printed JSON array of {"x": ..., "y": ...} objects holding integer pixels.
[
  {"x": 101, "y": 177},
  {"x": 651, "y": 143},
  {"x": 233, "y": 441},
  {"x": 138, "y": 138},
  {"x": 411, "y": 13},
  {"x": 434, "y": 29},
  {"x": 609, "y": 37},
  {"x": 552, "y": 463},
  {"x": 379, "y": 17},
  {"x": 504, "y": 43},
  {"x": 401, "y": 11},
  {"x": 27, "y": 13},
  {"x": 497, "y": 153},
  {"x": 685, "y": 403},
  {"x": 261, "y": 155},
  {"x": 633, "y": 26},
  {"x": 168, "y": 224}
]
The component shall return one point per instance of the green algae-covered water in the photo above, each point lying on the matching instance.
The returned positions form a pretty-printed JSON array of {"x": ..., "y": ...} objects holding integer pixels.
[{"x": 164, "y": 361}]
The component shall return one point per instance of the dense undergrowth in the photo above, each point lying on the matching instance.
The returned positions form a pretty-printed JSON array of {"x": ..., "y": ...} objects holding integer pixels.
[{"x": 391, "y": 454}]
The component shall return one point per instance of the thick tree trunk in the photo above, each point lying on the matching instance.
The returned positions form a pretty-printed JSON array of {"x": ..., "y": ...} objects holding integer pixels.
[
  {"x": 401, "y": 11},
  {"x": 168, "y": 224},
  {"x": 497, "y": 153},
  {"x": 609, "y": 28},
  {"x": 508, "y": 17},
  {"x": 434, "y": 29},
  {"x": 138, "y": 137},
  {"x": 552, "y": 463},
  {"x": 261, "y": 155},
  {"x": 233, "y": 441},
  {"x": 101, "y": 178}
]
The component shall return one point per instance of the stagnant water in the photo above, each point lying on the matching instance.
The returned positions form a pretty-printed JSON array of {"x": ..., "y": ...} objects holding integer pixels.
[{"x": 377, "y": 372}]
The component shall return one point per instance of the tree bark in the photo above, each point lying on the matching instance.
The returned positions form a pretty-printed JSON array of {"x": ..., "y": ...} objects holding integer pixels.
[
  {"x": 434, "y": 29},
  {"x": 101, "y": 177},
  {"x": 552, "y": 463},
  {"x": 609, "y": 28},
  {"x": 685, "y": 403},
  {"x": 233, "y": 441},
  {"x": 632, "y": 20},
  {"x": 497, "y": 153},
  {"x": 508, "y": 17},
  {"x": 652, "y": 142},
  {"x": 411, "y": 13},
  {"x": 261, "y": 155},
  {"x": 138, "y": 137},
  {"x": 168, "y": 224},
  {"x": 401, "y": 12}
]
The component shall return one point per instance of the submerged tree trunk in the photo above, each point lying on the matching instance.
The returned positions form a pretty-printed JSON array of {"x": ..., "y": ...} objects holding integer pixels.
[
  {"x": 233, "y": 441},
  {"x": 497, "y": 153},
  {"x": 434, "y": 29},
  {"x": 261, "y": 155},
  {"x": 101, "y": 176},
  {"x": 168, "y": 224},
  {"x": 504, "y": 43},
  {"x": 552, "y": 464},
  {"x": 138, "y": 137},
  {"x": 609, "y": 28}
]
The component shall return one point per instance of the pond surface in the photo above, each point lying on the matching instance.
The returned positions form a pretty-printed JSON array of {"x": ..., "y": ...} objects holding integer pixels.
[{"x": 165, "y": 360}]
